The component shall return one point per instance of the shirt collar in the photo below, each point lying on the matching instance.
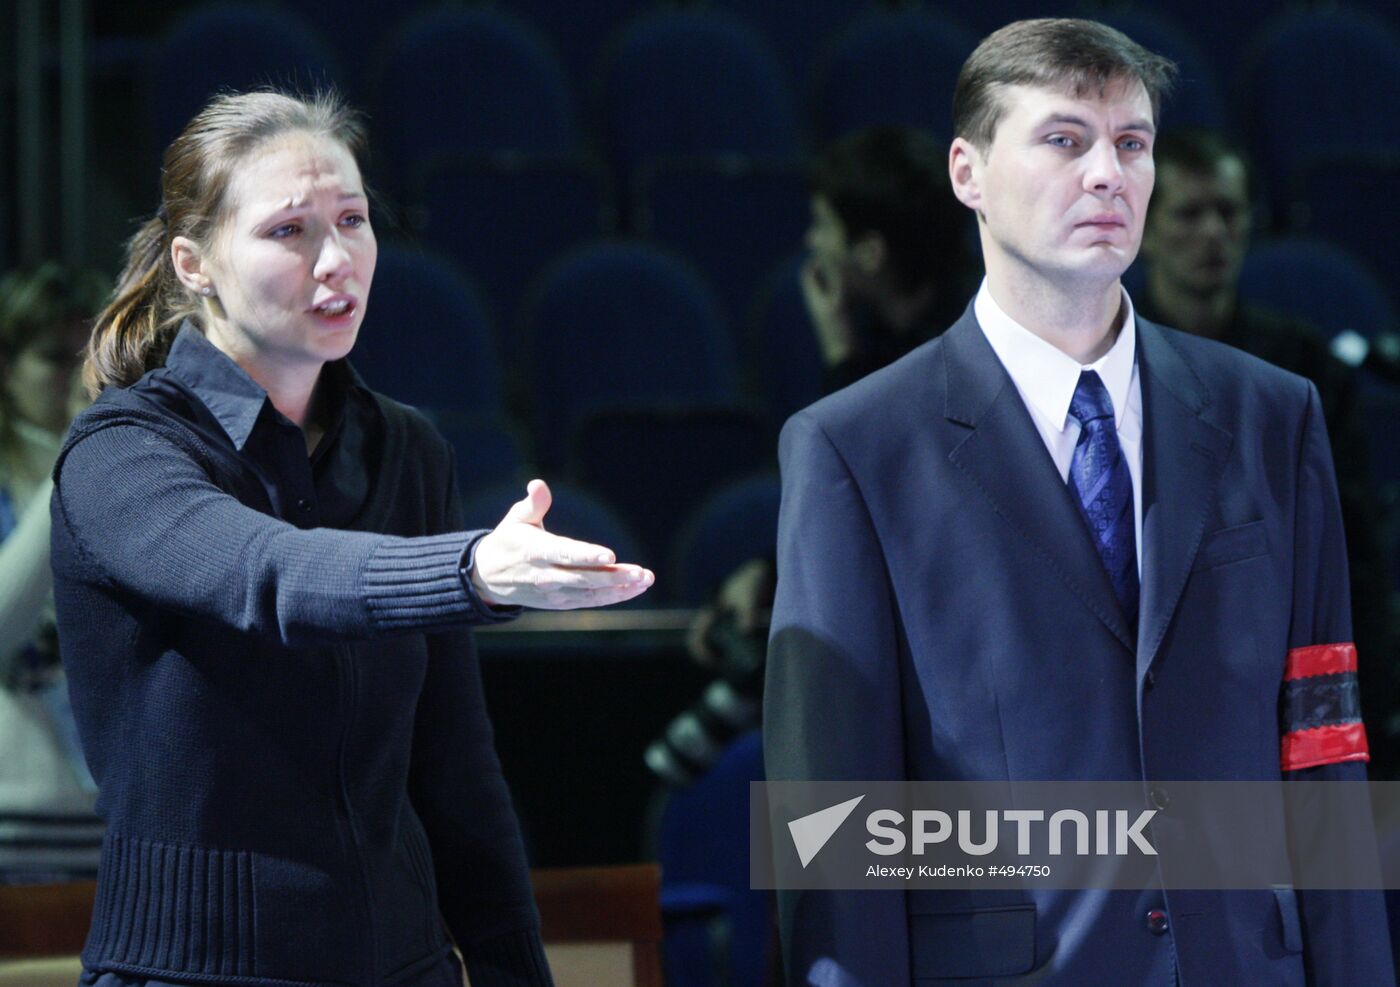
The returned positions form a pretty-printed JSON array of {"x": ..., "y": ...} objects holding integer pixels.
[
  {"x": 1047, "y": 376},
  {"x": 232, "y": 397}
]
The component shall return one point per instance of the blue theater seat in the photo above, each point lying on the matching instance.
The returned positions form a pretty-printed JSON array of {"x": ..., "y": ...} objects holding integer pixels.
[
  {"x": 891, "y": 68},
  {"x": 657, "y": 463},
  {"x": 1354, "y": 200},
  {"x": 581, "y": 32},
  {"x": 426, "y": 339},
  {"x": 737, "y": 523},
  {"x": 1317, "y": 281},
  {"x": 504, "y": 217},
  {"x": 616, "y": 324},
  {"x": 731, "y": 216},
  {"x": 465, "y": 80},
  {"x": 717, "y": 928},
  {"x": 693, "y": 82},
  {"x": 787, "y": 357},
  {"x": 798, "y": 30},
  {"x": 1316, "y": 82},
  {"x": 231, "y": 47},
  {"x": 490, "y": 451}
]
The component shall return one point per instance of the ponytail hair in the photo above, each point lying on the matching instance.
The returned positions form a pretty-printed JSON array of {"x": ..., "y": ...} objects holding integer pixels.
[
  {"x": 133, "y": 333},
  {"x": 135, "y": 330}
]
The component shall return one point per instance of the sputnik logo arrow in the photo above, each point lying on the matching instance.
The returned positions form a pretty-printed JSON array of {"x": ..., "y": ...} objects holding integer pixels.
[{"x": 810, "y": 833}]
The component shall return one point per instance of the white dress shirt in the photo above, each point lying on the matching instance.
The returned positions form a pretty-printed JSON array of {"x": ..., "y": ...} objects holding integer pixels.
[{"x": 1046, "y": 378}]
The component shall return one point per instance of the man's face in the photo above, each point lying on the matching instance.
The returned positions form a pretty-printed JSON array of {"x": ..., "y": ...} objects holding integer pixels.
[
  {"x": 1199, "y": 228},
  {"x": 851, "y": 267},
  {"x": 826, "y": 237},
  {"x": 1062, "y": 191}
]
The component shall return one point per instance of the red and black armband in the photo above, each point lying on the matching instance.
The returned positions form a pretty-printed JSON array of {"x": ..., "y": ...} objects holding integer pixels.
[{"x": 1320, "y": 709}]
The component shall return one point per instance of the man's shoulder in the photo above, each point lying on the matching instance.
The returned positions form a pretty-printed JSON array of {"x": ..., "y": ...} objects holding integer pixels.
[{"x": 1225, "y": 371}]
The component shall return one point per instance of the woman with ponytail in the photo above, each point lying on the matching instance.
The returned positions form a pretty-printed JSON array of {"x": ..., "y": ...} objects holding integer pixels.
[
  {"x": 48, "y": 830},
  {"x": 263, "y": 585}
]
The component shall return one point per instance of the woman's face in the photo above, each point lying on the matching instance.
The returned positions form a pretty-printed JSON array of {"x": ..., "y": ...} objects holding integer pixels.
[
  {"x": 291, "y": 264},
  {"x": 39, "y": 382}
]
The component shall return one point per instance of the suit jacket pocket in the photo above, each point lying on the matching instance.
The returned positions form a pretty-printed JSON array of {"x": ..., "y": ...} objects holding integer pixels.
[
  {"x": 1235, "y": 544},
  {"x": 987, "y": 942}
]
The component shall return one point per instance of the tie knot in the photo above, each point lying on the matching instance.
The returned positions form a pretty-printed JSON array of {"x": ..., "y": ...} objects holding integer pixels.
[{"x": 1091, "y": 400}]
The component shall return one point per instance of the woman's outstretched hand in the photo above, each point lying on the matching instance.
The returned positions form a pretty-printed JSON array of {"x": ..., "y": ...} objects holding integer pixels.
[{"x": 521, "y": 564}]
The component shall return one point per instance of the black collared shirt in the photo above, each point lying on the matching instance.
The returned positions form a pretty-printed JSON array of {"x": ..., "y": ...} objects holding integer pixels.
[
  {"x": 276, "y": 691},
  {"x": 326, "y": 489}
]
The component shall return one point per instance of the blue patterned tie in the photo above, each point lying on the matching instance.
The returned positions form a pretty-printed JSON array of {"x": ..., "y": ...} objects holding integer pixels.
[{"x": 1103, "y": 488}]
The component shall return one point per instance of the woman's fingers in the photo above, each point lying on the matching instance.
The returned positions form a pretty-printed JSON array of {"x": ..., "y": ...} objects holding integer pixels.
[
  {"x": 521, "y": 563},
  {"x": 597, "y": 597},
  {"x": 555, "y": 577},
  {"x": 532, "y": 508},
  {"x": 557, "y": 550}
]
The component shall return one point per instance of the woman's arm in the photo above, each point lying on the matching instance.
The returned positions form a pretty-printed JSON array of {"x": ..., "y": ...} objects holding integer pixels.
[
  {"x": 136, "y": 512},
  {"x": 25, "y": 577}
]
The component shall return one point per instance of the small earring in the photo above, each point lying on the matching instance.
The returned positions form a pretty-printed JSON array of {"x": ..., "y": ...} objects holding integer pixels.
[{"x": 206, "y": 291}]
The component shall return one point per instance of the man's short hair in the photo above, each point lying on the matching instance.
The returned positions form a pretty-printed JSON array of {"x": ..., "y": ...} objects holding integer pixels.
[
  {"x": 894, "y": 181},
  {"x": 1198, "y": 149},
  {"x": 1078, "y": 57}
]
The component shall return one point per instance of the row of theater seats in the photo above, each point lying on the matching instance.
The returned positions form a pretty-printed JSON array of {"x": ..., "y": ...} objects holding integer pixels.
[
  {"x": 623, "y": 378},
  {"x": 624, "y": 322},
  {"x": 736, "y": 221},
  {"x": 567, "y": 62},
  {"x": 691, "y": 130}
]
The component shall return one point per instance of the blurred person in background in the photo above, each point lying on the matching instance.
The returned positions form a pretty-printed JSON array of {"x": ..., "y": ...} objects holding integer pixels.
[
  {"x": 48, "y": 828},
  {"x": 888, "y": 266},
  {"x": 263, "y": 587},
  {"x": 888, "y": 257},
  {"x": 1194, "y": 245}
]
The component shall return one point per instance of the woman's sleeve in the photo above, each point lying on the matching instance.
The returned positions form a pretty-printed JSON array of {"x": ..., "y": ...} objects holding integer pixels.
[
  {"x": 136, "y": 512},
  {"x": 460, "y": 794}
]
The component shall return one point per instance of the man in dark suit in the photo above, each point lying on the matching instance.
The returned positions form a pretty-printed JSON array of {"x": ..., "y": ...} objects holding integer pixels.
[
  {"x": 1194, "y": 242},
  {"x": 1060, "y": 542}
]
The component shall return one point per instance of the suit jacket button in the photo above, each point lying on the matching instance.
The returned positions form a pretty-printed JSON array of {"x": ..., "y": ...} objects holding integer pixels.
[
  {"x": 1157, "y": 923},
  {"x": 1159, "y": 797},
  {"x": 1148, "y": 681},
  {"x": 304, "y": 505}
]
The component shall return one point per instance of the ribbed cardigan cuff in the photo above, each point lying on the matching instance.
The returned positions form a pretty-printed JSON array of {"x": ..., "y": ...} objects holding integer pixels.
[
  {"x": 515, "y": 959},
  {"x": 413, "y": 582},
  {"x": 418, "y": 582}
]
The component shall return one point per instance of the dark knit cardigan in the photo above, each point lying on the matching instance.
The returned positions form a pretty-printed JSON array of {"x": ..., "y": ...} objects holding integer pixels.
[{"x": 285, "y": 721}]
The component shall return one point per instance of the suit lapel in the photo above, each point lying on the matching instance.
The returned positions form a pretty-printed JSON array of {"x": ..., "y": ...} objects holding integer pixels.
[
  {"x": 1007, "y": 459},
  {"x": 1183, "y": 456}
]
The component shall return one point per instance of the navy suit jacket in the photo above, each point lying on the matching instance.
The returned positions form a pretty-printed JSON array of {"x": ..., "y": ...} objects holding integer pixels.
[{"x": 942, "y": 614}]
